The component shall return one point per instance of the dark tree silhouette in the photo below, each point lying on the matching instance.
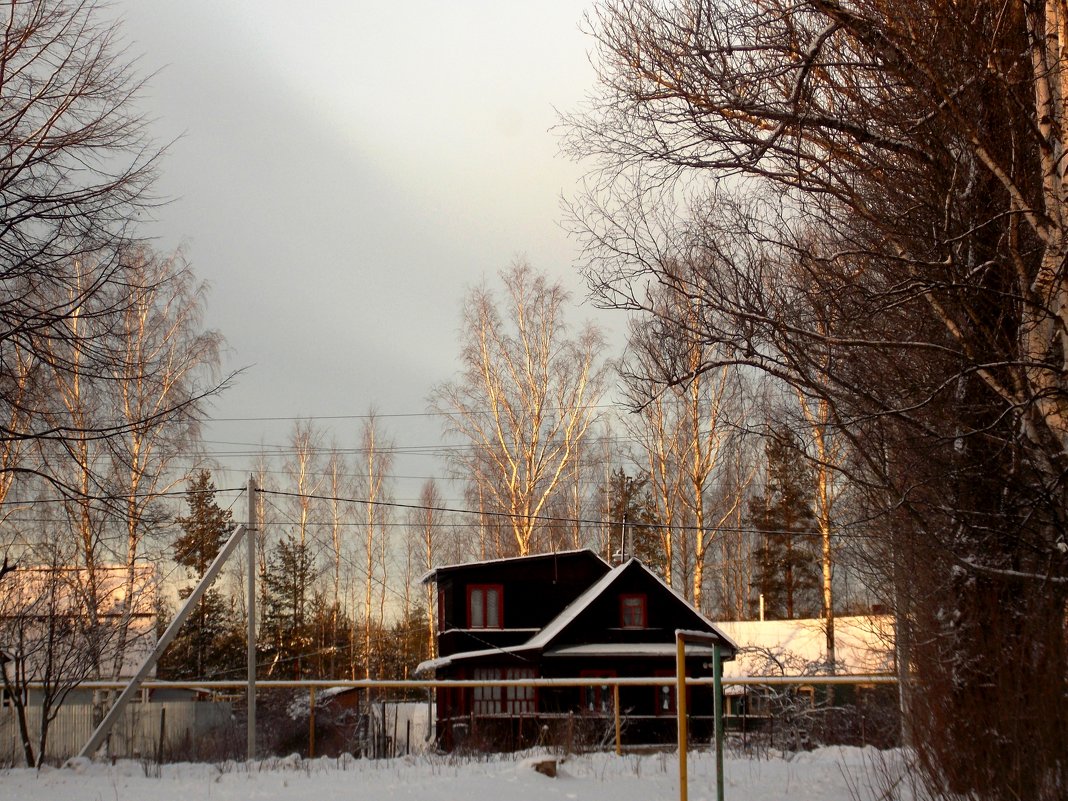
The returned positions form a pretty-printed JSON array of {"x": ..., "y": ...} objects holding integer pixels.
[
  {"x": 211, "y": 641},
  {"x": 787, "y": 560},
  {"x": 287, "y": 632}
]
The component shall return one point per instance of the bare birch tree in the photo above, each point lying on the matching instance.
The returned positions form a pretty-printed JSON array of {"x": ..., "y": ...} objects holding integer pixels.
[
  {"x": 76, "y": 171},
  {"x": 736, "y": 543},
  {"x": 168, "y": 360},
  {"x": 657, "y": 431},
  {"x": 827, "y": 453},
  {"x": 303, "y": 466},
  {"x": 339, "y": 484},
  {"x": 526, "y": 396},
  {"x": 78, "y": 461},
  {"x": 427, "y": 525},
  {"x": 373, "y": 483}
]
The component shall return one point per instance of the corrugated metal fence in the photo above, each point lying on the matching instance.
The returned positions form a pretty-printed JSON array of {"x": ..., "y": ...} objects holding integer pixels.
[{"x": 138, "y": 735}]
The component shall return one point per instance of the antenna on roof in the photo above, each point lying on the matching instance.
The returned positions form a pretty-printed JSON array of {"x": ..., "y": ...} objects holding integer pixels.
[{"x": 620, "y": 556}]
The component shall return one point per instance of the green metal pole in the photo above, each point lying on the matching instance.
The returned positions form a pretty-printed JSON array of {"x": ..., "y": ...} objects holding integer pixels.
[
  {"x": 250, "y": 638},
  {"x": 680, "y": 713},
  {"x": 717, "y": 689}
]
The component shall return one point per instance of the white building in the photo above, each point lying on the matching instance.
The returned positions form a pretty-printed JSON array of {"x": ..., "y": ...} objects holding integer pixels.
[
  {"x": 46, "y": 627},
  {"x": 863, "y": 645}
]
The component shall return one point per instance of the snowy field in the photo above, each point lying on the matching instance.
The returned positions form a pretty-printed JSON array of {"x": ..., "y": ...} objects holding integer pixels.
[{"x": 829, "y": 774}]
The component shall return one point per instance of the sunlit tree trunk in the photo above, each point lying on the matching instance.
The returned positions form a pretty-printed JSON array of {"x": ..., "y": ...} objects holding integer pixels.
[
  {"x": 657, "y": 431},
  {"x": 376, "y": 457},
  {"x": 428, "y": 522},
  {"x": 339, "y": 483}
]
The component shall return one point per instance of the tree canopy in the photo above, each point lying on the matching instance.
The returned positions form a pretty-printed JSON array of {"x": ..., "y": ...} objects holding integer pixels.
[{"x": 866, "y": 200}]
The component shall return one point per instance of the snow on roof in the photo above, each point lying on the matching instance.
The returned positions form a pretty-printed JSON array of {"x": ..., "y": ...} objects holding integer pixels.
[
  {"x": 430, "y": 575},
  {"x": 299, "y": 707},
  {"x": 539, "y": 640},
  {"x": 579, "y": 605},
  {"x": 714, "y": 626},
  {"x": 619, "y": 649},
  {"x": 625, "y": 649},
  {"x": 863, "y": 645},
  {"x": 432, "y": 665},
  {"x": 547, "y": 634},
  {"x": 575, "y": 608}
]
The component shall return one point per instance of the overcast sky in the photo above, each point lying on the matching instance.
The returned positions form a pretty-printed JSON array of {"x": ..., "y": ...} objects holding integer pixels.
[{"x": 341, "y": 173}]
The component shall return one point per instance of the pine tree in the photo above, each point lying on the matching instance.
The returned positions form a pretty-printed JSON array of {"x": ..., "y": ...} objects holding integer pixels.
[
  {"x": 209, "y": 644},
  {"x": 404, "y": 645},
  {"x": 331, "y": 633},
  {"x": 204, "y": 529},
  {"x": 787, "y": 570},
  {"x": 631, "y": 514},
  {"x": 288, "y": 630}
]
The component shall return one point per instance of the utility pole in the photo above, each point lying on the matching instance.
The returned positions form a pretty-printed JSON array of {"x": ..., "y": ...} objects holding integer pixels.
[
  {"x": 96, "y": 739},
  {"x": 253, "y": 531}
]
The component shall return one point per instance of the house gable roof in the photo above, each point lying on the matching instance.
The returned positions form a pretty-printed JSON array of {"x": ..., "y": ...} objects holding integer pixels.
[{"x": 630, "y": 571}]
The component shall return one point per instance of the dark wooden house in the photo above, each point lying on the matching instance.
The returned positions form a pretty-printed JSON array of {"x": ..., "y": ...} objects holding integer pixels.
[{"x": 565, "y": 615}]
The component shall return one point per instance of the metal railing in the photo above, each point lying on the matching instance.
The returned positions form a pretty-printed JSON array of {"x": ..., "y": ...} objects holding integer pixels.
[{"x": 237, "y": 688}]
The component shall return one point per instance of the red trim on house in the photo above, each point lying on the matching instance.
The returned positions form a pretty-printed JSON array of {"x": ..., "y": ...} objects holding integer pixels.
[
  {"x": 597, "y": 698},
  {"x": 485, "y": 618},
  {"x": 634, "y": 611},
  {"x": 664, "y": 704}
]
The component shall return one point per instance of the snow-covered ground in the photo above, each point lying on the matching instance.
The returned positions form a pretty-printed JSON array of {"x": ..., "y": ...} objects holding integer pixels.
[{"x": 829, "y": 774}]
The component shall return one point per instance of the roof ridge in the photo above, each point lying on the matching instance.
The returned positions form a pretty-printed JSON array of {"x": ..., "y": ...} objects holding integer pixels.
[{"x": 499, "y": 560}]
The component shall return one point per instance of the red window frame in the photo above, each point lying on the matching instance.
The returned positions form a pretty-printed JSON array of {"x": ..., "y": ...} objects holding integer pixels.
[
  {"x": 597, "y": 699},
  {"x": 441, "y": 610},
  {"x": 486, "y": 590},
  {"x": 634, "y": 611},
  {"x": 665, "y": 701}
]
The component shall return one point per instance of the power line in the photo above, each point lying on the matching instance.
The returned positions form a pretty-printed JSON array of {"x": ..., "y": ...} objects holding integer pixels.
[
  {"x": 548, "y": 518},
  {"x": 841, "y": 532},
  {"x": 111, "y": 498},
  {"x": 383, "y": 416},
  {"x": 382, "y": 584}
]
